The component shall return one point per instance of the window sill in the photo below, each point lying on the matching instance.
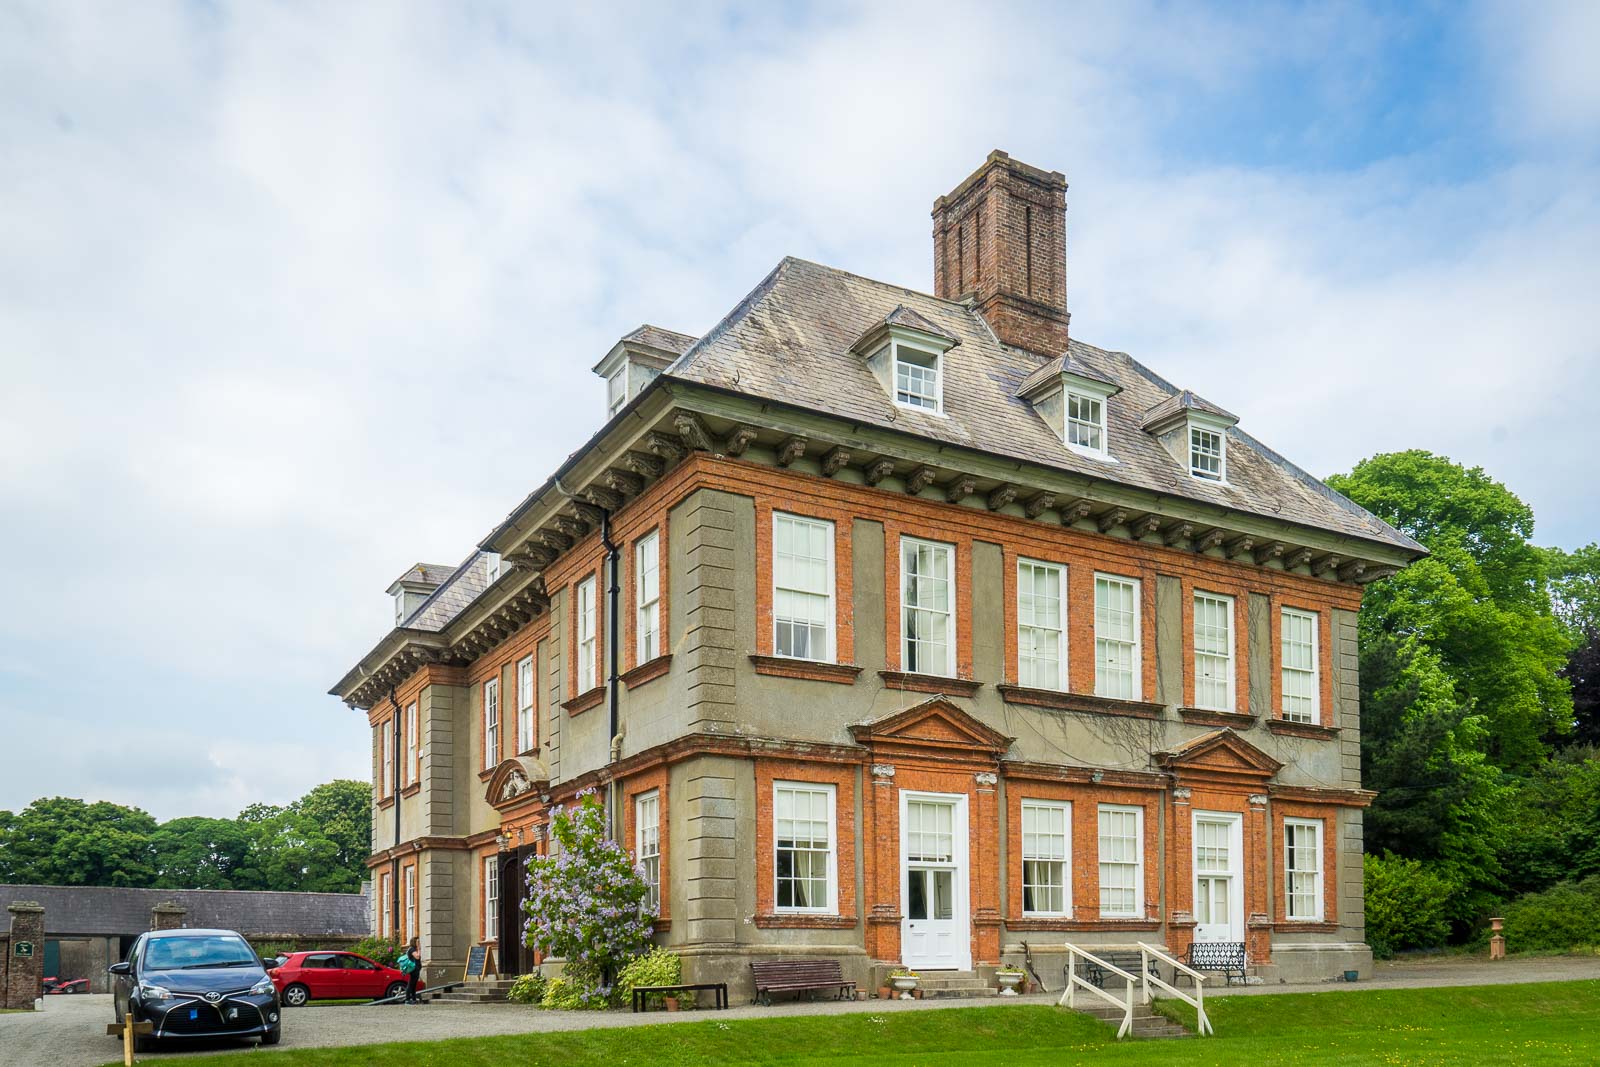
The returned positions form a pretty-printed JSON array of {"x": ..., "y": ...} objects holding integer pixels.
[
  {"x": 411, "y": 790},
  {"x": 584, "y": 701},
  {"x": 1047, "y": 925},
  {"x": 1083, "y": 702},
  {"x": 1303, "y": 729},
  {"x": 937, "y": 684},
  {"x": 1305, "y": 926},
  {"x": 386, "y": 801},
  {"x": 809, "y": 669},
  {"x": 1207, "y": 717},
  {"x": 771, "y": 921},
  {"x": 648, "y": 671}
]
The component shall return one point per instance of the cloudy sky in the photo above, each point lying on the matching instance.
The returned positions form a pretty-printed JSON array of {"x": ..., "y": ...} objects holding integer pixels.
[{"x": 292, "y": 296}]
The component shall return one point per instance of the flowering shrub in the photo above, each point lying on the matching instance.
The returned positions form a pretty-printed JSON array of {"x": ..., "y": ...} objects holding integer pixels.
[
  {"x": 659, "y": 966},
  {"x": 587, "y": 903}
]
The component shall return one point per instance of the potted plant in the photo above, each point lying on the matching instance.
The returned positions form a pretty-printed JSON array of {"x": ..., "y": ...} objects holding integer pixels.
[
  {"x": 905, "y": 980},
  {"x": 1010, "y": 977},
  {"x": 671, "y": 1002}
]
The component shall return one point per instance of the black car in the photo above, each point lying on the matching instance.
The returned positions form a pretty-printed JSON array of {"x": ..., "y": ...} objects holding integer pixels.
[{"x": 195, "y": 983}]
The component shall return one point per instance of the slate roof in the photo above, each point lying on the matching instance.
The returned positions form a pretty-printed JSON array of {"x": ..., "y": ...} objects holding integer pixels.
[
  {"x": 660, "y": 337},
  {"x": 905, "y": 317},
  {"x": 1184, "y": 401},
  {"x": 96, "y": 910},
  {"x": 431, "y": 573},
  {"x": 789, "y": 342},
  {"x": 461, "y": 588}
]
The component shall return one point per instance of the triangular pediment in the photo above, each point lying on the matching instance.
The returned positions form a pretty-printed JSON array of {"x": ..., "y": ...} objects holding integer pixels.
[
  {"x": 515, "y": 779},
  {"x": 934, "y": 723},
  {"x": 1223, "y": 751}
]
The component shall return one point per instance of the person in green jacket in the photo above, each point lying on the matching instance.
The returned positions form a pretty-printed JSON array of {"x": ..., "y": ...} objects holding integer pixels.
[{"x": 411, "y": 963}]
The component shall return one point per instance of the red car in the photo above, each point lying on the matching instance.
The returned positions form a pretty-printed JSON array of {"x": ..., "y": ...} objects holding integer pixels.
[{"x": 304, "y": 976}]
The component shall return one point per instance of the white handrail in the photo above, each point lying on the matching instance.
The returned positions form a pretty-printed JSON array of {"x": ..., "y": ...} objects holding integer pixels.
[
  {"x": 1074, "y": 982},
  {"x": 1199, "y": 998}
]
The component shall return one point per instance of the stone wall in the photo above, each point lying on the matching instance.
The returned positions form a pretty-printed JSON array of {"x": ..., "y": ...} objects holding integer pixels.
[{"x": 24, "y": 956}]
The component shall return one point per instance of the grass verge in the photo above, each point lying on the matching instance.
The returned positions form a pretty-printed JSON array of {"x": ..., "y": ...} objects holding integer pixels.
[{"x": 1545, "y": 1023}]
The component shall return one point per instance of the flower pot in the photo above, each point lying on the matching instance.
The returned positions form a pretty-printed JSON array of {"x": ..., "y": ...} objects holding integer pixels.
[
  {"x": 905, "y": 984},
  {"x": 883, "y": 992},
  {"x": 1009, "y": 981},
  {"x": 1351, "y": 976},
  {"x": 670, "y": 1002}
]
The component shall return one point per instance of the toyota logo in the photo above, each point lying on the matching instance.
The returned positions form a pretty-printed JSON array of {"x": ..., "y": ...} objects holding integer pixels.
[{"x": 213, "y": 996}]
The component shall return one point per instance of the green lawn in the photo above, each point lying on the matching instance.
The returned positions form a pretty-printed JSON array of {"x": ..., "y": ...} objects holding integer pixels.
[{"x": 1550, "y": 1023}]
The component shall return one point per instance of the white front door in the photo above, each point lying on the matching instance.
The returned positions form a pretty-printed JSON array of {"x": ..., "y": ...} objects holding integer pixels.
[
  {"x": 1218, "y": 883},
  {"x": 935, "y": 933}
]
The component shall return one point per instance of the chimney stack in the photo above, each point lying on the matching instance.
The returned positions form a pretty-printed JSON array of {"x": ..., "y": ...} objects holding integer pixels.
[{"x": 1001, "y": 237}]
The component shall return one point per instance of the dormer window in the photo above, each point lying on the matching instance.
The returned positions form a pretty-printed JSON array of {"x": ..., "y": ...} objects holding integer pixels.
[
  {"x": 491, "y": 566},
  {"x": 1208, "y": 453},
  {"x": 1073, "y": 399},
  {"x": 917, "y": 377},
  {"x": 905, "y": 352},
  {"x": 616, "y": 390},
  {"x": 1086, "y": 422},
  {"x": 1195, "y": 433}
]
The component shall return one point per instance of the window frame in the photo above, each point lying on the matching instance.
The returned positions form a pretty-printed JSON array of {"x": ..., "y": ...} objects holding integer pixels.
[
  {"x": 1137, "y": 669},
  {"x": 895, "y": 345},
  {"x": 614, "y": 406},
  {"x": 386, "y": 905},
  {"x": 1065, "y": 808},
  {"x": 413, "y": 739},
  {"x": 1315, "y": 621},
  {"x": 491, "y": 896},
  {"x": 1138, "y": 863},
  {"x": 1062, "y": 631},
  {"x": 409, "y": 901},
  {"x": 587, "y": 636},
  {"x": 1318, "y": 828},
  {"x": 1232, "y": 673},
  {"x": 1221, "y": 434},
  {"x": 1101, "y": 402},
  {"x": 527, "y": 702},
  {"x": 831, "y": 792},
  {"x": 951, "y": 632},
  {"x": 647, "y": 548},
  {"x": 492, "y": 566},
  {"x": 641, "y": 825},
  {"x": 830, "y": 593},
  {"x": 386, "y": 760},
  {"x": 491, "y": 722}
]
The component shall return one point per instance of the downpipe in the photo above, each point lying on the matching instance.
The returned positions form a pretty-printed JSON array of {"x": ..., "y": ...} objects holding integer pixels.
[{"x": 613, "y": 660}]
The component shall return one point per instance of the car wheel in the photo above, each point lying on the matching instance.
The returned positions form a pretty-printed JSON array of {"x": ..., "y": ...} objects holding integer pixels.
[
  {"x": 295, "y": 996},
  {"x": 272, "y": 1037},
  {"x": 396, "y": 989}
]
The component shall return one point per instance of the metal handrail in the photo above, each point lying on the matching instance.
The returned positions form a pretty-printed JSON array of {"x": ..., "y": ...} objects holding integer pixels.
[
  {"x": 1197, "y": 1001},
  {"x": 1074, "y": 982}
]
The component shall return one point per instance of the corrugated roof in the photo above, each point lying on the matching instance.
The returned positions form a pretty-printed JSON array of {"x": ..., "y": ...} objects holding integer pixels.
[
  {"x": 108, "y": 911},
  {"x": 789, "y": 341}
]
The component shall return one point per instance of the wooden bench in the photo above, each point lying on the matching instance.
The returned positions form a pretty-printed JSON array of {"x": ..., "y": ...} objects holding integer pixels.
[
  {"x": 1128, "y": 961},
  {"x": 798, "y": 976},
  {"x": 641, "y": 992},
  {"x": 1225, "y": 956}
]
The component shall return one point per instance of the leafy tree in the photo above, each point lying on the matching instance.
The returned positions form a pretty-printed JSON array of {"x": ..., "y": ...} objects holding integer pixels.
[
  {"x": 1552, "y": 823},
  {"x": 1480, "y": 602},
  {"x": 1575, "y": 587},
  {"x": 1583, "y": 672},
  {"x": 195, "y": 852},
  {"x": 63, "y": 841},
  {"x": 342, "y": 811}
]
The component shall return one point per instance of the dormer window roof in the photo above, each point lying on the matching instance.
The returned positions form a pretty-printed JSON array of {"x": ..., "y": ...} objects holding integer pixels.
[
  {"x": 414, "y": 586},
  {"x": 906, "y": 352},
  {"x": 635, "y": 360},
  {"x": 1195, "y": 431},
  {"x": 1073, "y": 398}
]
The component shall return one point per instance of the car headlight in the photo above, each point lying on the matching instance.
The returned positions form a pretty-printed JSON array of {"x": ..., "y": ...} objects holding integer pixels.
[
  {"x": 154, "y": 992},
  {"x": 262, "y": 988}
]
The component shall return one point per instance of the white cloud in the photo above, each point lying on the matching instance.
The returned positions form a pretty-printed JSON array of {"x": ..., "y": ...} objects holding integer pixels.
[{"x": 292, "y": 296}]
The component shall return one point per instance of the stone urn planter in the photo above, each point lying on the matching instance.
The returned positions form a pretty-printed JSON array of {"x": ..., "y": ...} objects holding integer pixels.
[
  {"x": 903, "y": 984},
  {"x": 1009, "y": 981}
]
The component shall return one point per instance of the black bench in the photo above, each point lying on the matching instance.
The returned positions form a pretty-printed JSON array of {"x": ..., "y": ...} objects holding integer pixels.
[
  {"x": 1128, "y": 961},
  {"x": 641, "y": 992},
  {"x": 1225, "y": 956},
  {"x": 798, "y": 976}
]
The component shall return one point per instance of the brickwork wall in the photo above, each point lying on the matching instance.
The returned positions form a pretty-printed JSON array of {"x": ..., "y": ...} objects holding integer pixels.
[{"x": 23, "y": 974}]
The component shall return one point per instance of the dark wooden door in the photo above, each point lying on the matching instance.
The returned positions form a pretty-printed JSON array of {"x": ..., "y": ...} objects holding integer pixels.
[{"x": 512, "y": 892}]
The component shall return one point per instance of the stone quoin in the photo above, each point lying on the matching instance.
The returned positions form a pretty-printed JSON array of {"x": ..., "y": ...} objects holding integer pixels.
[{"x": 937, "y": 631}]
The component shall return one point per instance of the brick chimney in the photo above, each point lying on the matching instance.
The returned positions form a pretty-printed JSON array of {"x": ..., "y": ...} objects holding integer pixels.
[{"x": 1001, "y": 237}]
